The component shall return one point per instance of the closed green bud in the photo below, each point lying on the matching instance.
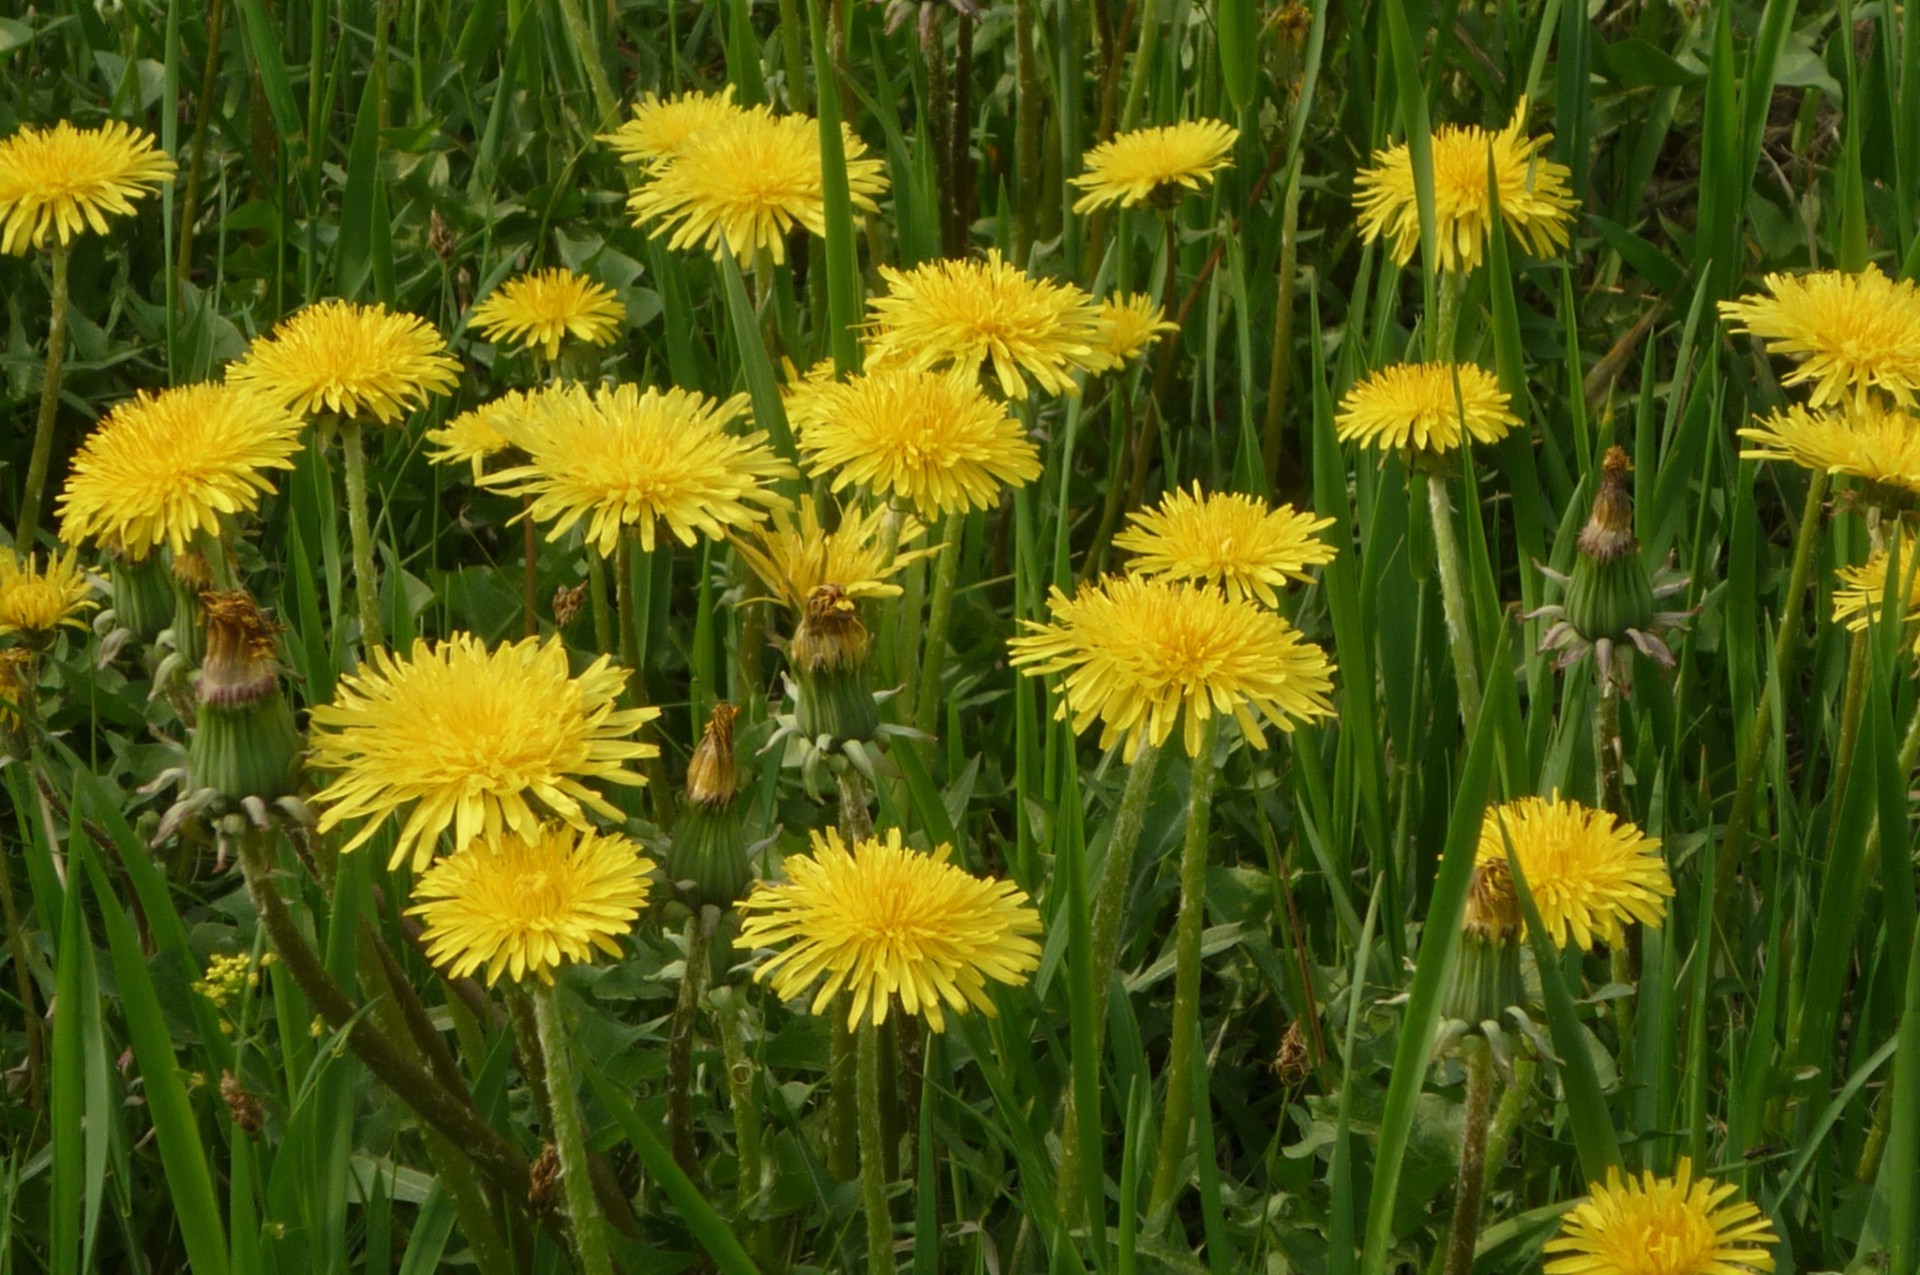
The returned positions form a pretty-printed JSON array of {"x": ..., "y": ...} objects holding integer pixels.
[
  {"x": 829, "y": 660},
  {"x": 191, "y": 578},
  {"x": 244, "y": 742},
  {"x": 1609, "y": 592},
  {"x": 1486, "y": 978},
  {"x": 708, "y": 860},
  {"x": 142, "y": 595}
]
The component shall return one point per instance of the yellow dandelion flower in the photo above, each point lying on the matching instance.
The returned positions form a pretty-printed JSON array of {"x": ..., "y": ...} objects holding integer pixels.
[
  {"x": 659, "y": 128},
  {"x": 795, "y": 557},
  {"x": 632, "y": 458},
  {"x": 19, "y": 681},
  {"x": 1862, "y": 589},
  {"x": 1868, "y": 442},
  {"x": 1156, "y": 165},
  {"x": 358, "y": 361},
  {"x": 473, "y": 740},
  {"x": 1662, "y": 1226},
  {"x": 539, "y": 310},
  {"x": 1124, "y": 328},
  {"x": 931, "y": 439},
  {"x": 479, "y": 434},
  {"x": 1142, "y": 655},
  {"x": 519, "y": 904},
  {"x": 1238, "y": 542},
  {"x": 1417, "y": 405},
  {"x": 1589, "y": 873},
  {"x": 34, "y": 603},
  {"x": 882, "y": 920},
  {"x": 63, "y": 181},
  {"x": 967, "y": 313},
  {"x": 1847, "y": 333},
  {"x": 1534, "y": 201},
  {"x": 743, "y": 183},
  {"x": 161, "y": 468}
]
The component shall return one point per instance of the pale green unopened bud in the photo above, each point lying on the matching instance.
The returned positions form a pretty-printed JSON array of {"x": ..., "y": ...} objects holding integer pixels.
[
  {"x": 829, "y": 660},
  {"x": 244, "y": 743},
  {"x": 708, "y": 858},
  {"x": 1609, "y": 591},
  {"x": 142, "y": 595},
  {"x": 1486, "y": 978}
]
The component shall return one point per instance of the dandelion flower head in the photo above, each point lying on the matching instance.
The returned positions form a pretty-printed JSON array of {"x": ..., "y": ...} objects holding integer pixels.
[
  {"x": 1142, "y": 655},
  {"x": 1588, "y": 872},
  {"x": 1235, "y": 541},
  {"x": 473, "y": 740},
  {"x": 1124, "y": 328},
  {"x": 742, "y": 183},
  {"x": 881, "y": 920},
  {"x": 35, "y": 602},
  {"x": 1848, "y": 334},
  {"x": 358, "y": 361},
  {"x": 966, "y": 314},
  {"x": 1417, "y": 406},
  {"x": 62, "y": 181},
  {"x": 162, "y": 468},
  {"x": 623, "y": 458},
  {"x": 519, "y": 904},
  {"x": 1662, "y": 1226},
  {"x": 661, "y": 127},
  {"x": 540, "y": 310},
  {"x": 1534, "y": 200},
  {"x": 1156, "y": 165},
  {"x": 796, "y": 555},
  {"x": 479, "y": 434},
  {"x": 929, "y": 438},
  {"x": 1868, "y": 441},
  {"x": 1863, "y": 589}
]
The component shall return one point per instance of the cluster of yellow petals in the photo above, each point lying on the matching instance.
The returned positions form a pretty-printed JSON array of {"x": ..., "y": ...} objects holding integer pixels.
[
  {"x": 35, "y": 602},
  {"x": 796, "y": 555},
  {"x": 358, "y": 361},
  {"x": 1652, "y": 1225},
  {"x": 57, "y": 183},
  {"x": 1235, "y": 541},
  {"x": 1848, "y": 334},
  {"x": 1862, "y": 591},
  {"x": 1154, "y": 164},
  {"x": 540, "y": 310},
  {"x": 1589, "y": 873},
  {"x": 1429, "y": 407},
  {"x": 1868, "y": 440}
]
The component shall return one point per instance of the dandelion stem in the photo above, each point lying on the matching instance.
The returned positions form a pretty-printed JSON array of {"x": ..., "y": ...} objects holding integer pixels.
[
  {"x": 843, "y": 1114},
  {"x": 946, "y": 574},
  {"x": 730, "y": 1017},
  {"x": 1610, "y": 794},
  {"x": 1149, "y": 440},
  {"x": 530, "y": 554},
  {"x": 597, "y": 599},
  {"x": 680, "y": 1046},
  {"x": 873, "y": 1153},
  {"x": 1733, "y": 838},
  {"x": 1177, "y": 1105},
  {"x": 1110, "y": 889},
  {"x": 1473, "y": 1158},
  {"x": 365, "y": 584},
  {"x": 569, "y": 1139},
  {"x": 33, "y": 496},
  {"x": 1453, "y": 597}
]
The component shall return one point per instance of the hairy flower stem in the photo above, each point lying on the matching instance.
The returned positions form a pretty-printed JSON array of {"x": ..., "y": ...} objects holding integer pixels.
[
  {"x": 529, "y": 581},
  {"x": 946, "y": 574},
  {"x": 873, "y": 1153},
  {"x": 1028, "y": 106},
  {"x": 569, "y": 1137},
  {"x": 1110, "y": 890},
  {"x": 680, "y": 1044},
  {"x": 1473, "y": 1159},
  {"x": 1453, "y": 597},
  {"x": 1610, "y": 791},
  {"x": 366, "y": 585},
  {"x": 598, "y": 601},
  {"x": 843, "y": 1103},
  {"x": 33, "y": 495},
  {"x": 1177, "y": 1105},
  {"x": 202, "y": 116},
  {"x": 1733, "y": 838},
  {"x": 730, "y": 1017}
]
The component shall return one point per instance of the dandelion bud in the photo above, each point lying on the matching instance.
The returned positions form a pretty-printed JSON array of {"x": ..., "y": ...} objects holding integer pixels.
[
  {"x": 829, "y": 659},
  {"x": 1486, "y": 980},
  {"x": 708, "y": 860},
  {"x": 142, "y": 596},
  {"x": 244, "y": 742},
  {"x": 19, "y": 680},
  {"x": 1610, "y": 592},
  {"x": 191, "y": 577}
]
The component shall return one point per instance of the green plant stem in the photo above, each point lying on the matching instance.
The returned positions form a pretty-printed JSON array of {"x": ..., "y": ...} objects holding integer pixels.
[
  {"x": 730, "y": 1017},
  {"x": 946, "y": 574},
  {"x": 605, "y": 104},
  {"x": 873, "y": 1153},
  {"x": 680, "y": 1045},
  {"x": 1506, "y": 1117},
  {"x": 1473, "y": 1159},
  {"x": 23, "y": 980},
  {"x": 843, "y": 1114},
  {"x": 1177, "y": 1104},
  {"x": 659, "y": 790},
  {"x": 202, "y": 117},
  {"x": 34, "y": 493},
  {"x": 1149, "y": 440},
  {"x": 529, "y": 581},
  {"x": 366, "y": 585},
  {"x": 1280, "y": 366},
  {"x": 1028, "y": 107},
  {"x": 598, "y": 600},
  {"x": 569, "y": 1138},
  {"x": 1733, "y": 837},
  {"x": 1110, "y": 889},
  {"x": 1610, "y": 792},
  {"x": 1453, "y": 597}
]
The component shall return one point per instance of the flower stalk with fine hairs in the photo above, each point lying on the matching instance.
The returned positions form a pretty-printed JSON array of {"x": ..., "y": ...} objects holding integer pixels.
[{"x": 28, "y": 525}]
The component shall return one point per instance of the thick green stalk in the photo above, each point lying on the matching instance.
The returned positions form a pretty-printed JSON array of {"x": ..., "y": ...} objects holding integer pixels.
[
  {"x": 34, "y": 494},
  {"x": 1609, "y": 790},
  {"x": 1177, "y": 1105},
  {"x": 680, "y": 1047},
  {"x": 730, "y": 1016},
  {"x": 1733, "y": 838},
  {"x": 1453, "y": 597},
  {"x": 529, "y": 583},
  {"x": 1473, "y": 1159},
  {"x": 873, "y": 1154},
  {"x": 1028, "y": 107},
  {"x": 366, "y": 584},
  {"x": 843, "y": 1103},
  {"x": 1110, "y": 890},
  {"x": 946, "y": 574},
  {"x": 569, "y": 1137}
]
